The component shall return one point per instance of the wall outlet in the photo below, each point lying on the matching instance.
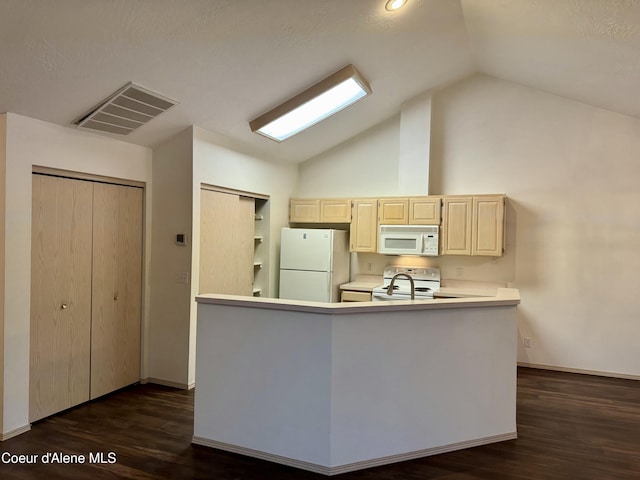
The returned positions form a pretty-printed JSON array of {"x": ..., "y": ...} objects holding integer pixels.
[
  {"x": 182, "y": 277},
  {"x": 527, "y": 342},
  {"x": 459, "y": 271},
  {"x": 182, "y": 239},
  {"x": 369, "y": 267}
]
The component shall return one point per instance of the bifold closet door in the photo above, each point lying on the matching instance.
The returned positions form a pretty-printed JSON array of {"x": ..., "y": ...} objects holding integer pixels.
[
  {"x": 60, "y": 294},
  {"x": 227, "y": 226},
  {"x": 116, "y": 287}
]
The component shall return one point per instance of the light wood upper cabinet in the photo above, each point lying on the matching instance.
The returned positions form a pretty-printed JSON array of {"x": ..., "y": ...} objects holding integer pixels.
[
  {"x": 456, "y": 225},
  {"x": 364, "y": 226},
  {"x": 317, "y": 210},
  {"x": 470, "y": 225},
  {"x": 488, "y": 225},
  {"x": 393, "y": 211},
  {"x": 335, "y": 211},
  {"x": 411, "y": 211},
  {"x": 473, "y": 225},
  {"x": 424, "y": 210},
  {"x": 304, "y": 210}
]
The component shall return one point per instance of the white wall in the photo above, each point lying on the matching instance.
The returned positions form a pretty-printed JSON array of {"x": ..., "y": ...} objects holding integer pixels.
[
  {"x": 571, "y": 173},
  {"x": 218, "y": 165},
  {"x": 366, "y": 165},
  {"x": 33, "y": 142},
  {"x": 170, "y": 300},
  {"x": 391, "y": 158},
  {"x": 180, "y": 166},
  {"x": 415, "y": 143},
  {"x": 573, "y": 228}
]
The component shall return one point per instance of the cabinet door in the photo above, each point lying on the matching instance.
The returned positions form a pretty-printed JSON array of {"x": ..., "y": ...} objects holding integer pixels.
[
  {"x": 60, "y": 295},
  {"x": 393, "y": 211},
  {"x": 227, "y": 227},
  {"x": 364, "y": 227},
  {"x": 355, "y": 296},
  {"x": 335, "y": 211},
  {"x": 456, "y": 226},
  {"x": 488, "y": 226},
  {"x": 425, "y": 210},
  {"x": 304, "y": 211},
  {"x": 116, "y": 287}
]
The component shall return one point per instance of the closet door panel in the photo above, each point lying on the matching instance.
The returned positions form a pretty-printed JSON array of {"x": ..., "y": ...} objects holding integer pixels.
[
  {"x": 60, "y": 294},
  {"x": 227, "y": 226},
  {"x": 116, "y": 288}
]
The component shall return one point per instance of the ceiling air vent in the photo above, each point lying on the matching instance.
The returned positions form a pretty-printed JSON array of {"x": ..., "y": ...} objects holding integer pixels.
[{"x": 125, "y": 111}]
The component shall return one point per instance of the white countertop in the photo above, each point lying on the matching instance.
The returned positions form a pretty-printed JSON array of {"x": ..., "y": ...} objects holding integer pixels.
[
  {"x": 455, "y": 288},
  {"x": 503, "y": 296},
  {"x": 363, "y": 283}
]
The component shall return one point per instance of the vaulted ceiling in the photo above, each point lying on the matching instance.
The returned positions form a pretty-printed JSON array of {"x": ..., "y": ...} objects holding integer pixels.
[{"x": 228, "y": 61}]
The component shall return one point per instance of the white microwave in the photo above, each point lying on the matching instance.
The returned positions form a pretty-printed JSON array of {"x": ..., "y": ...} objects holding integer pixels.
[{"x": 409, "y": 240}]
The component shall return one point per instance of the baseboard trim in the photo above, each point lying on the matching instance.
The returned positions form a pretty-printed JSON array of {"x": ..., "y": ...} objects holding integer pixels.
[
  {"x": 250, "y": 452},
  {"x": 15, "y": 432},
  {"x": 350, "y": 467},
  {"x": 169, "y": 383},
  {"x": 581, "y": 371}
]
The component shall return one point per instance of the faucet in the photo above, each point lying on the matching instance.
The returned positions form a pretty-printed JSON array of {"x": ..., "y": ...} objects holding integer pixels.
[{"x": 413, "y": 286}]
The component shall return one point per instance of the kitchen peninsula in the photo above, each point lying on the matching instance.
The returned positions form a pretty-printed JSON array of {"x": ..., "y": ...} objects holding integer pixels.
[{"x": 336, "y": 387}]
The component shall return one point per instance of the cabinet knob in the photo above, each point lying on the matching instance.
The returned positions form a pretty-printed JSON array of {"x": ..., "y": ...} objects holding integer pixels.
[
  {"x": 116, "y": 297},
  {"x": 64, "y": 306}
]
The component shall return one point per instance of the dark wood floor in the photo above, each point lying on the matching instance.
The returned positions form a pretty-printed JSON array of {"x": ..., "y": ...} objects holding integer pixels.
[{"x": 570, "y": 426}]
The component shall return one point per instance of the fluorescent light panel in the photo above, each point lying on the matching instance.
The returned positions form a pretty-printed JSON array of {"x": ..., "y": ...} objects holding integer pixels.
[{"x": 327, "y": 97}]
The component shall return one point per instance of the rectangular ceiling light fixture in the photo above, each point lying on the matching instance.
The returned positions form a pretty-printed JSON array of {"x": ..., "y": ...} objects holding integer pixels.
[
  {"x": 125, "y": 111},
  {"x": 318, "y": 102}
]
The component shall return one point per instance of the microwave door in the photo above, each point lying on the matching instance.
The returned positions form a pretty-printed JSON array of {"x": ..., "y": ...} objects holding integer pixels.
[
  {"x": 409, "y": 240},
  {"x": 401, "y": 244}
]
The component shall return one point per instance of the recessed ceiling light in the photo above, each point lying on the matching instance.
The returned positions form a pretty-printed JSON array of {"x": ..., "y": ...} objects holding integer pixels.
[
  {"x": 392, "y": 5},
  {"x": 322, "y": 100}
]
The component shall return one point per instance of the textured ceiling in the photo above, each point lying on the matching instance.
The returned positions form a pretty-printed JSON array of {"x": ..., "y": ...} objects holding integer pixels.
[
  {"x": 587, "y": 50},
  {"x": 228, "y": 61}
]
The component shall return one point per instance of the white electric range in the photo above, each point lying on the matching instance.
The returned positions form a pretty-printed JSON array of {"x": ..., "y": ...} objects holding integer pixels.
[{"x": 426, "y": 281}]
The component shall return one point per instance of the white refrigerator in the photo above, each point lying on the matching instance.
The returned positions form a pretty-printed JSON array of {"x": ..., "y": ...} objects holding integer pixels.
[{"x": 313, "y": 264}]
